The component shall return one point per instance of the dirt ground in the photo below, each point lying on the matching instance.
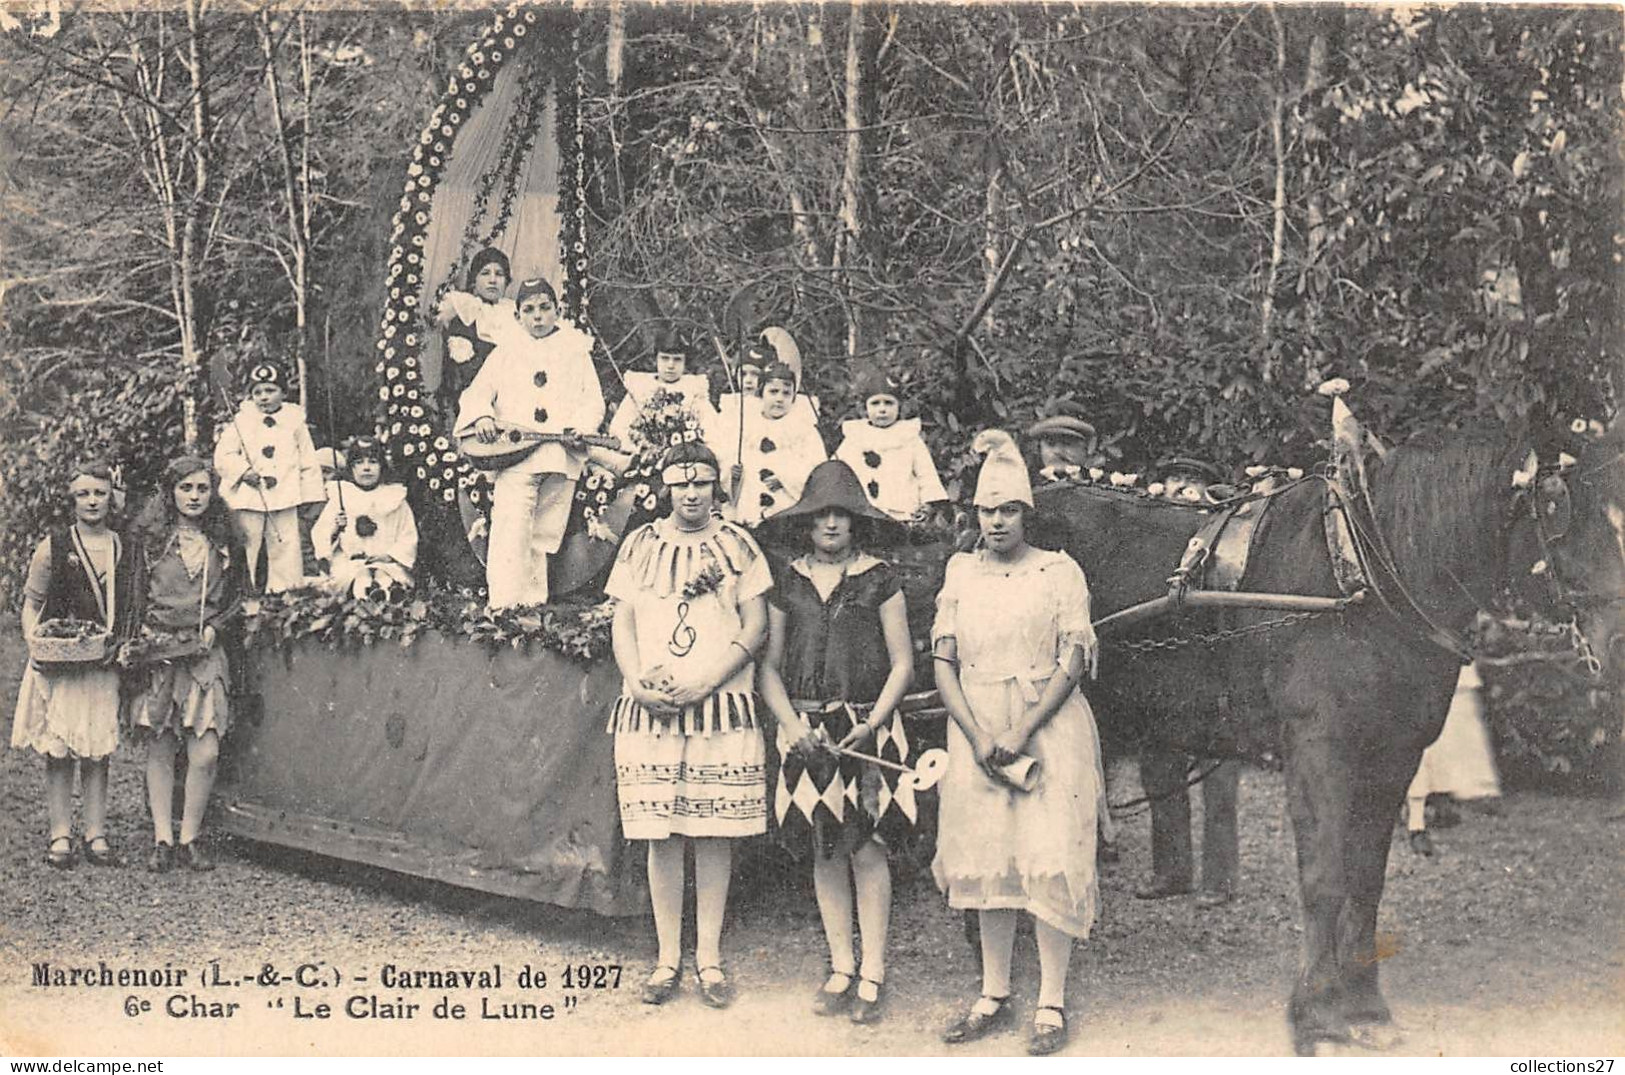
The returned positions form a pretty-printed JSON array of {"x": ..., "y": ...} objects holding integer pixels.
[{"x": 1508, "y": 942}]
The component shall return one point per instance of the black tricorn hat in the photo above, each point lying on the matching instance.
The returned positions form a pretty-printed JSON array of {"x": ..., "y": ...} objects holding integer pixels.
[{"x": 832, "y": 484}]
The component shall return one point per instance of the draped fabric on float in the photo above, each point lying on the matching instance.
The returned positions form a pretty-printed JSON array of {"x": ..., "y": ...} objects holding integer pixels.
[
  {"x": 483, "y": 768},
  {"x": 500, "y": 188}
]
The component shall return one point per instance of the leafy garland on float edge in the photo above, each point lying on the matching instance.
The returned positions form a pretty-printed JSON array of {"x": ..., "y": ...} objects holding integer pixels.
[
  {"x": 580, "y": 632},
  {"x": 404, "y": 421}
]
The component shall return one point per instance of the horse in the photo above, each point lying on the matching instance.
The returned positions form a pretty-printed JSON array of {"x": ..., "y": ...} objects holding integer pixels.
[{"x": 1348, "y": 700}]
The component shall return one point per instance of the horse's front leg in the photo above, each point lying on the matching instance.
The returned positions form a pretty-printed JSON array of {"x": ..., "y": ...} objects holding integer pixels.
[
  {"x": 1318, "y": 798},
  {"x": 1385, "y": 775}
]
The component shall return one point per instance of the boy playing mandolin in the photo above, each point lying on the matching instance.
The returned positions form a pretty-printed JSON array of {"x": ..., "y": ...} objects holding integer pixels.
[{"x": 543, "y": 382}]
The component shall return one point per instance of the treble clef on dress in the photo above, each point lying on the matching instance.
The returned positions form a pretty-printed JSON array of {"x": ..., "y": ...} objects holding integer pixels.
[{"x": 682, "y": 635}]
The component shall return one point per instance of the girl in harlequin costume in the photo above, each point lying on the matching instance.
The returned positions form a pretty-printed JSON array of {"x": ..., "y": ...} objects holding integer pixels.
[
  {"x": 85, "y": 572},
  {"x": 1011, "y": 641},
  {"x": 670, "y": 376},
  {"x": 887, "y": 453},
  {"x": 367, "y": 532},
  {"x": 268, "y": 470},
  {"x": 543, "y": 382},
  {"x": 779, "y": 452},
  {"x": 690, "y": 765},
  {"x": 476, "y": 320},
  {"x": 838, "y": 661},
  {"x": 192, "y": 573}
]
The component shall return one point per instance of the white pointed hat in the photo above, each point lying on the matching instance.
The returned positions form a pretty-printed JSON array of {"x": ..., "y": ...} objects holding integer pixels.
[{"x": 1004, "y": 473}]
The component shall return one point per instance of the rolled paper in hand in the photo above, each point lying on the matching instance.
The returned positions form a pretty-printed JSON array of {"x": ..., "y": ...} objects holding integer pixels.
[{"x": 1021, "y": 774}]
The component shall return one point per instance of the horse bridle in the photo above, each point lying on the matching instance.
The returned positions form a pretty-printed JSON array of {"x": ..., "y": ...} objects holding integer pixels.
[{"x": 1548, "y": 503}]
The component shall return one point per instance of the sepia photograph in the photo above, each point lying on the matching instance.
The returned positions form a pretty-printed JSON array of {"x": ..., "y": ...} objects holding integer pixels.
[{"x": 850, "y": 529}]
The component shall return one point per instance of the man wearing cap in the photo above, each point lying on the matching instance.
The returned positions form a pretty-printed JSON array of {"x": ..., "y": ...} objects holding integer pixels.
[
  {"x": 1066, "y": 442},
  {"x": 268, "y": 470},
  {"x": 544, "y": 383},
  {"x": 886, "y": 451}
]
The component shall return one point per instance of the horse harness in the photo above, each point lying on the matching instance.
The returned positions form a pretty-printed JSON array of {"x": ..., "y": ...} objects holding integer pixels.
[{"x": 1216, "y": 559}]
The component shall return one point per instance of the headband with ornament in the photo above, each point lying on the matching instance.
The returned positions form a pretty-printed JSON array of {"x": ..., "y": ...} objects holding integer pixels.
[{"x": 677, "y": 473}]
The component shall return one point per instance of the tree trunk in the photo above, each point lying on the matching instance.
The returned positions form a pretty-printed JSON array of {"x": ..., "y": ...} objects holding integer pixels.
[
  {"x": 1278, "y": 232},
  {"x": 191, "y": 342},
  {"x": 857, "y": 200}
]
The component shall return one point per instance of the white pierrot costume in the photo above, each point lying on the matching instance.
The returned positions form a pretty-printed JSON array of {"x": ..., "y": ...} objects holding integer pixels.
[
  {"x": 278, "y": 448},
  {"x": 547, "y": 385},
  {"x": 893, "y": 464},
  {"x": 379, "y": 544},
  {"x": 786, "y": 448},
  {"x": 641, "y": 387}
]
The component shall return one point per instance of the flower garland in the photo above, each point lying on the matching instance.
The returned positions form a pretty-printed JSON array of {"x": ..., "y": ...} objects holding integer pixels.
[
  {"x": 581, "y": 632},
  {"x": 405, "y": 418}
]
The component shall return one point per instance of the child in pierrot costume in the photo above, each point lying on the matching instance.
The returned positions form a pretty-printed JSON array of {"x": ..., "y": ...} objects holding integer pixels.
[
  {"x": 268, "y": 470},
  {"x": 887, "y": 453},
  {"x": 544, "y": 382},
  {"x": 367, "y": 532}
]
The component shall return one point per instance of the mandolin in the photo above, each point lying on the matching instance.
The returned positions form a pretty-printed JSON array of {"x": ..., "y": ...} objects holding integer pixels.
[{"x": 514, "y": 443}]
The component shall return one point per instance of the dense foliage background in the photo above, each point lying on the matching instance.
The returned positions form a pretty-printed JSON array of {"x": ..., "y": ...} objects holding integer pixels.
[{"x": 1184, "y": 218}]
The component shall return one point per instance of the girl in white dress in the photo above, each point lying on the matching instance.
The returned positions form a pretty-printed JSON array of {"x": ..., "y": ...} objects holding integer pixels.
[{"x": 1011, "y": 641}]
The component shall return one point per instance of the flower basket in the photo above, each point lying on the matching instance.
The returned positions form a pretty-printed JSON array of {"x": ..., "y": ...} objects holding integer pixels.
[
  {"x": 67, "y": 644},
  {"x": 155, "y": 645}
]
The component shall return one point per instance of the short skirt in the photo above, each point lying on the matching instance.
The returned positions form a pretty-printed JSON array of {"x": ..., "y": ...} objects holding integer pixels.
[
  {"x": 691, "y": 785},
  {"x": 69, "y": 714},
  {"x": 839, "y": 802},
  {"x": 183, "y": 697}
]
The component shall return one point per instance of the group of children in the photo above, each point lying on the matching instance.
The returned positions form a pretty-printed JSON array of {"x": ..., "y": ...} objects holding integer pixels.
[
  {"x": 525, "y": 368},
  {"x": 270, "y": 473}
]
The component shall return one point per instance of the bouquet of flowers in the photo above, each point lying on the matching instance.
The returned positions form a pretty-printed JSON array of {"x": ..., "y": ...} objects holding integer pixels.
[
  {"x": 67, "y": 641},
  {"x": 154, "y": 644},
  {"x": 665, "y": 421}
]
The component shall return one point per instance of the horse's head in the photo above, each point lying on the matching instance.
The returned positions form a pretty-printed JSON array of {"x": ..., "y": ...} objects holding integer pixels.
[{"x": 1573, "y": 510}]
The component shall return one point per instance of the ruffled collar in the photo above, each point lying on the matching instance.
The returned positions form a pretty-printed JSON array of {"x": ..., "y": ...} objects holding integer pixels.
[
  {"x": 379, "y": 500},
  {"x": 863, "y": 435},
  {"x": 642, "y": 386}
]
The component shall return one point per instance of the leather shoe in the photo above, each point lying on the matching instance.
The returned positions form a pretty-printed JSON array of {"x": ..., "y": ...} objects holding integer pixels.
[
  {"x": 1209, "y": 898},
  {"x": 161, "y": 859},
  {"x": 717, "y": 994},
  {"x": 191, "y": 857},
  {"x": 974, "y": 1025},
  {"x": 1047, "y": 1038},
  {"x": 1161, "y": 888},
  {"x": 831, "y": 1002},
  {"x": 658, "y": 990},
  {"x": 103, "y": 855},
  {"x": 60, "y": 854},
  {"x": 865, "y": 1011},
  {"x": 1422, "y": 843}
]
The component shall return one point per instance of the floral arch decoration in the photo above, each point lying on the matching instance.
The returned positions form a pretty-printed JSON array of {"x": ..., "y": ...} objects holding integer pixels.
[{"x": 435, "y": 231}]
